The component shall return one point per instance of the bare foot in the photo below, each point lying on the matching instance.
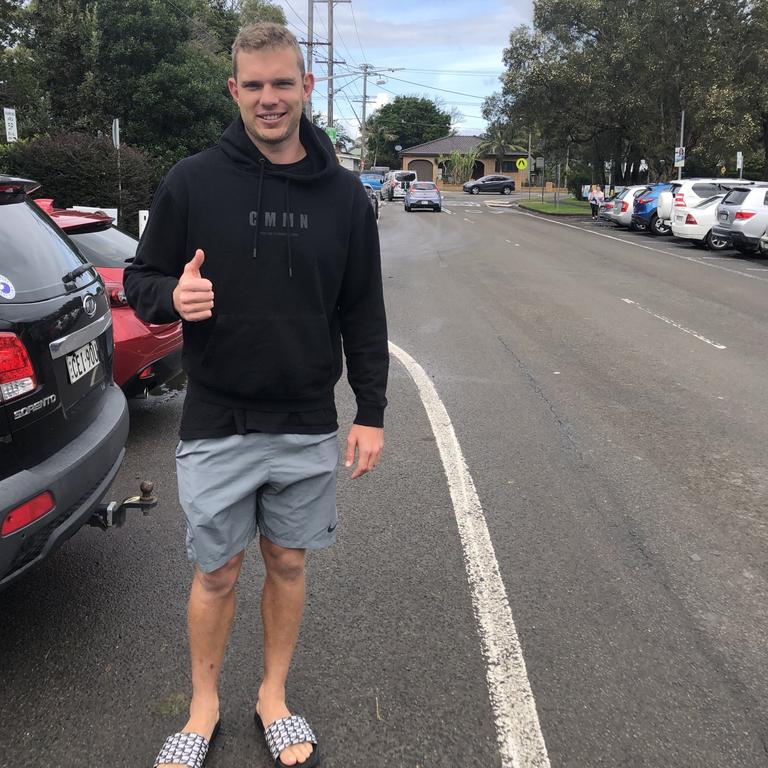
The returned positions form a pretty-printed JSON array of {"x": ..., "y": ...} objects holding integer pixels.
[{"x": 271, "y": 707}]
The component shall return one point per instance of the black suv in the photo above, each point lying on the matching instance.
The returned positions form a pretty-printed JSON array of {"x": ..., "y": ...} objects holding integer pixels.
[{"x": 63, "y": 422}]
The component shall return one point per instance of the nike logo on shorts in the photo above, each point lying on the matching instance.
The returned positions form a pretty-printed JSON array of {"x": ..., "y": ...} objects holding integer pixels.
[{"x": 332, "y": 528}]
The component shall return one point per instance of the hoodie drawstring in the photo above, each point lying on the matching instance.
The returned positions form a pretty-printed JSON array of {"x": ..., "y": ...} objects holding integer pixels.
[
  {"x": 258, "y": 209},
  {"x": 288, "y": 222}
]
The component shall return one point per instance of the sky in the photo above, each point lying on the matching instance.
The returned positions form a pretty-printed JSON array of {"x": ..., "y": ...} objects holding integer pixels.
[{"x": 449, "y": 50}]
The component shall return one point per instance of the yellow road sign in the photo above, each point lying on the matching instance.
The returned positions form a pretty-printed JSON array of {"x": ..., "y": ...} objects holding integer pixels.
[{"x": 522, "y": 164}]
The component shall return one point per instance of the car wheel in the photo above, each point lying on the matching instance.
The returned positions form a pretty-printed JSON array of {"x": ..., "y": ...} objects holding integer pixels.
[
  {"x": 506, "y": 191},
  {"x": 475, "y": 190},
  {"x": 658, "y": 227},
  {"x": 407, "y": 208},
  {"x": 715, "y": 243},
  {"x": 438, "y": 209},
  {"x": 635, "y": 227}
]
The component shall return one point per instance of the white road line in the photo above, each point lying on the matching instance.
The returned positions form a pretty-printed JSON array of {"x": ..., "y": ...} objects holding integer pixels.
[
  {"x": 676, "y": 325},
  {"x": 756, "y": 269},
  {"x": 445, "y": 210},
  {"x": 508, "y": 241},
  {"x": 521, "y": 743},
  {"x": 469, "y": 220},
  {"x": 646, "y": 247}
]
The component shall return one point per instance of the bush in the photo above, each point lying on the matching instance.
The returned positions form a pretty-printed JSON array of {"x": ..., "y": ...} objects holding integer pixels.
[{"x": 76, "y": 169}]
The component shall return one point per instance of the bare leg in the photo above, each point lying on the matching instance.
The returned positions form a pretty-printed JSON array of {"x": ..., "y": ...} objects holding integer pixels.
[
  {"x": 210, "y": 615},
  {"x": 282, "y": 605}
]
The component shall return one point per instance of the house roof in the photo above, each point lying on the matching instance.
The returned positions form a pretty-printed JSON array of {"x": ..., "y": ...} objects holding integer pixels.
[
  {"x": 448, "y": 144},
  {"x": 444, "y": 146}
]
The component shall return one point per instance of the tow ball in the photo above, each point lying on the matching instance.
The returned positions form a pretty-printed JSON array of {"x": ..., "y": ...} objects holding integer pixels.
[{"x": 113, "y": 515}]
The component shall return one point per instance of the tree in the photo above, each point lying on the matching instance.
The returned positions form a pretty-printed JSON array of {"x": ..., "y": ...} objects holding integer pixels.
[
  {"x": 406, "y": 121},
  {"x": 498, "y": 140},
  {"x": 458, "y": 166},
  {"x": 343, "y": 140}
]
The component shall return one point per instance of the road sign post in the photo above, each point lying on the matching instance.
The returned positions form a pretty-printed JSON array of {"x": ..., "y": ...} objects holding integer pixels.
[{"x": 740, "y": 163}]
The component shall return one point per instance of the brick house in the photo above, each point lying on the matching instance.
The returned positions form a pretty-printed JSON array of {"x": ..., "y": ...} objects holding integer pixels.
[{"x": 423, "y": 159}]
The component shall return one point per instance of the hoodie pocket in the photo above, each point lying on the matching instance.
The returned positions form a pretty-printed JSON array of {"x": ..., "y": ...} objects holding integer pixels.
[{"x": 271, "y": 357}]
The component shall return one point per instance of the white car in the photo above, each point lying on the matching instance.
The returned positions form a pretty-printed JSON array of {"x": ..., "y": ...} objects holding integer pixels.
[
  {"x": 695, "y": 222},
  {"x": 690, "y": 192},
  {"x": 624, "y": 205}
]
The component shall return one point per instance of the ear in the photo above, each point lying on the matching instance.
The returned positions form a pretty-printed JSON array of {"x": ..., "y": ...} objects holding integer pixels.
[
  {"x": 308, "y": 85},
  {"x": 233, "y": 92}
]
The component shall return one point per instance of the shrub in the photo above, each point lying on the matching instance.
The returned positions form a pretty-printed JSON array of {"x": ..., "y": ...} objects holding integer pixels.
[{"x": 77, "y": 169}]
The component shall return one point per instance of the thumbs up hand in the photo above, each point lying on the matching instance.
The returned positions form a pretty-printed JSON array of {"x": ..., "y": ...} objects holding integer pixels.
[{"x": 193, "y": 296}]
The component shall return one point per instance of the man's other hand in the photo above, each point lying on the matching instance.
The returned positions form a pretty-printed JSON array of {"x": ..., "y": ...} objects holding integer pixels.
[
  {"x": 369, "y": 443},
  {"x": 193, "y": 296}
]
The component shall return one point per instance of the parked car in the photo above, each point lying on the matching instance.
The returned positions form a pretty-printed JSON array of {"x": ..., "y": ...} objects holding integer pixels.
[
  {"x": 374, "y": 180},
  {"x": 764, "y": 243},
  {"x": 624, "y": 205},
  {"x": 690, "y": 192},
  {"x": 395, "y": 184},
  {"x": 645, "y": 215},
  {"x": 422, "y": 195},
  {"x": 373, "y": 198},
  {"x": 605, "y": 211},
  {"x": 695, "y": 223},
  {"x": 742, "y": 217},
  {"x": 505, "y": 185},
  {"x": 146, "y": 355},
  {"x": 63, "y": 421}
]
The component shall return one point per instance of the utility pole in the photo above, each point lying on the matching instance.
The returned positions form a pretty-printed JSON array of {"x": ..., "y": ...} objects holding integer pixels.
[
  {"x": 330, "y": 62},
  {"x": 310, "y": 52},
  {"x": 366, "y": 71}
]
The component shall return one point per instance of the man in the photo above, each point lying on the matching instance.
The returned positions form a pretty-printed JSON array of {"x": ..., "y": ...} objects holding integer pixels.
[{"x": 268, "y": 250}]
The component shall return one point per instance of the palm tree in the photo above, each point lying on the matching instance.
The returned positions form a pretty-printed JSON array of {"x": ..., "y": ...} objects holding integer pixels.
[{"x": 498, "y": 141}]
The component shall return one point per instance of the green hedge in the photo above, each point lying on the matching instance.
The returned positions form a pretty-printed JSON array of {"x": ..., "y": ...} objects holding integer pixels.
[{"x": 77, "y": 169}]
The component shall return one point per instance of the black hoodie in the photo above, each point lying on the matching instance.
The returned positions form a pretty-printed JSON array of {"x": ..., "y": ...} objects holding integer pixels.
[{"x": 295, "y": 266}]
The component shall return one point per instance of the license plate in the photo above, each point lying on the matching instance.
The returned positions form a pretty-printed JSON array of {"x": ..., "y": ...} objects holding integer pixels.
[
  {"x": 424, "y": 202},
  {"x": 82, "y": 360},
  {"x": 679, "y": 217},
  {"x": 723, "y": 217}
]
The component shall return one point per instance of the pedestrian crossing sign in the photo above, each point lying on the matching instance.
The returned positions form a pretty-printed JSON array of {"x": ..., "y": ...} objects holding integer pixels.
[{"x": 522, "y": 164}]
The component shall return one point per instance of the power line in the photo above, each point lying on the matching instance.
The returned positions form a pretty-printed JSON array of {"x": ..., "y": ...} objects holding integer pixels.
[
  {"x": 357, "y": 32},
  {"x": 433, "y": 88}
]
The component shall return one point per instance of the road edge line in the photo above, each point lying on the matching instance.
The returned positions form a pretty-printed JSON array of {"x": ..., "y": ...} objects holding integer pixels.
[{"x": 518, "y": 731}]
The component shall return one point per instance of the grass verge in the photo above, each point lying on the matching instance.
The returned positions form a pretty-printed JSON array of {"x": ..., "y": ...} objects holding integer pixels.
[{"x": 567, "y": 207}]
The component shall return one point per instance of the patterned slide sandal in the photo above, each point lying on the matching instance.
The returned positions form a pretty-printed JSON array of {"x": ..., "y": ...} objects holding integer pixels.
[
  {"x": 188, "y": 749},
  {"x": 286, "y": 732}
]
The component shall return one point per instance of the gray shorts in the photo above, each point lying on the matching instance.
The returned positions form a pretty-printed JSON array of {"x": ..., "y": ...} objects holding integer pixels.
[{"x": 281, "y": 485}]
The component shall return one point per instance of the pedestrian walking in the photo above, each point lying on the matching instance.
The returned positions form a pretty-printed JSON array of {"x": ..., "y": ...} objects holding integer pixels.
[
  {"x": 268, "y": 250},
  {"x": 596, "y": 199}
]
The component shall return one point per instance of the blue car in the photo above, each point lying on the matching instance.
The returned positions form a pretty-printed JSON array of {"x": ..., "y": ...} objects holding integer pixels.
[
  {"x": 645, "y": 215},
  {"x": 374, "y": 179}
]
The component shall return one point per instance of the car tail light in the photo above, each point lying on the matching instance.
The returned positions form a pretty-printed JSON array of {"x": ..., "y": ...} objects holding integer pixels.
[
  {"x": 679, "y": 199},
  {"x": 744, "y": 215},
  {"x": 624, "y": 206},
  {"x": 27, "y": 513},
  {"x": 644, "y": 200},
  {"x": 689, "y": 219},
  {"x": 116, "y": 294},
  {"x": 17, "y": 376}
]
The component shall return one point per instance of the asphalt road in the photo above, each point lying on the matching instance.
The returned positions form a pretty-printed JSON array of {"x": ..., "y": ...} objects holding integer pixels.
[{"x": 607, "y": 390}]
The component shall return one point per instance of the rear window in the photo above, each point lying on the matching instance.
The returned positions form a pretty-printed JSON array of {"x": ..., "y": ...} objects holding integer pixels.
[
  {"x": 423, "y": 185},
  {"x": 705, "y": 189},
  {"x": 406, "y": 176},
  {"x": 107, "y": 247},
  {"x": 35, "y": 255},
  {"x": 736, "y": 197}
]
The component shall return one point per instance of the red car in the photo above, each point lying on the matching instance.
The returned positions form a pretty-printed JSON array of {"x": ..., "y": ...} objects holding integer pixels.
[{"x": 146, "y": 355}]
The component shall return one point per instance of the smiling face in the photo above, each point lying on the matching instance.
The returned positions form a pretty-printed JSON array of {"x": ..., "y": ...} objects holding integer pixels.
[{"x": 271, "y": 92}]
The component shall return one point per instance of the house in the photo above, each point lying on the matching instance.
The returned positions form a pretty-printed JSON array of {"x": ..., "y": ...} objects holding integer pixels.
[
  {"x": 350, "y": 160},
  {"x": 423, "y": 159}
]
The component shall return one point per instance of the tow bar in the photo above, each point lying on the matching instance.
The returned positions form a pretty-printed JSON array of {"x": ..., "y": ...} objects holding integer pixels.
[{"x": 113, "y": 515}]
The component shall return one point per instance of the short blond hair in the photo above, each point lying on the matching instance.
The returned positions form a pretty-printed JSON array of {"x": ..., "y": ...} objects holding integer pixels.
[{"x": 265, "y": 34}]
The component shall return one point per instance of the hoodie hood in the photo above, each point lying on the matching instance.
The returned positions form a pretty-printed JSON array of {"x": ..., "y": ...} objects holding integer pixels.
[{"x": 238, "y": 147}]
